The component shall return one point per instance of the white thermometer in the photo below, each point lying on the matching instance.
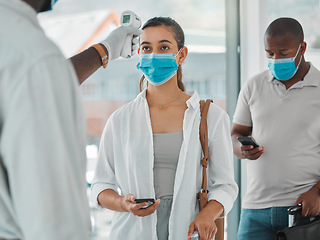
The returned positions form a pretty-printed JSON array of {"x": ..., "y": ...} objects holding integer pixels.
[{"x": 129, "y": 18}]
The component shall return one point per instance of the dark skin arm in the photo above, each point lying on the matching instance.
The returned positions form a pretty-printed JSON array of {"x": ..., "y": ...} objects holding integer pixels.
[
  {"x": 86, "y": 63},
  {"x": 242, "y": 151}
]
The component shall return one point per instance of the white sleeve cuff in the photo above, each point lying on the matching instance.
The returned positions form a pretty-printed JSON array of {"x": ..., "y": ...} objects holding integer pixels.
[
  {"x": 97, "y": 188},
  {"x": 224, "y": 198}
]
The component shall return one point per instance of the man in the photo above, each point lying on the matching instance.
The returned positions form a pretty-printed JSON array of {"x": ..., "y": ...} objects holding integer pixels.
[
  {"x": 280, "y": 108},
  {"x": 42, "y": 128}
]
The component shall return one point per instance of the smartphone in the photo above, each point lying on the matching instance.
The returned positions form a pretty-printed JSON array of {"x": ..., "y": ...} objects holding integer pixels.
[
  {"x": 142, "y": 200},
  {"x": 247, "y": 141}
]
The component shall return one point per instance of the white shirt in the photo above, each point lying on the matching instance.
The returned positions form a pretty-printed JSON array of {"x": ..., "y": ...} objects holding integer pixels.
[
  {"x": 126, "y": 161},
  {"x": 287, "y": 124},
  {"x": 42, "y": 135}
]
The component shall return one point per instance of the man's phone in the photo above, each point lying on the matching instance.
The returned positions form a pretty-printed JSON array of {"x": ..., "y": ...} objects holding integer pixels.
[
  {"x": 142, "y": 200},
  {"x": 247, "y": 141}
]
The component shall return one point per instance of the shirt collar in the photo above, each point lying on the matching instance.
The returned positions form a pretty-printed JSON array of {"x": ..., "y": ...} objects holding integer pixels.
[{"x": 193, "y": 101}]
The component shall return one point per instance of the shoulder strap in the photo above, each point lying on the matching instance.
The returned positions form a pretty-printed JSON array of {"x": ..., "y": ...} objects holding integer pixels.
[
  {"x": 204, "y": 106},
  {"x": 203, "y": 130}
]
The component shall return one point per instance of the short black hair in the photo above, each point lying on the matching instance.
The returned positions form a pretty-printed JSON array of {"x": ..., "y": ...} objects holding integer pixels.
[{"x": 282, "y": 26}]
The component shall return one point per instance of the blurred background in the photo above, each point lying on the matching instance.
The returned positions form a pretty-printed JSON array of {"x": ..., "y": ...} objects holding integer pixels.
[{"x": 225, "y": 42}]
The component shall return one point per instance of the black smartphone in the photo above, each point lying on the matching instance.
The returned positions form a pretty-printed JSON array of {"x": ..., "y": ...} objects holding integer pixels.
[
  {"x": 142, "y": 200},
  {"x": 247, "y": 141}
]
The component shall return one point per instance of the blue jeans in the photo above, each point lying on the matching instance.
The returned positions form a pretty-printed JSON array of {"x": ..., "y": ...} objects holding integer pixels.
[{"x": 262, "y": 224}]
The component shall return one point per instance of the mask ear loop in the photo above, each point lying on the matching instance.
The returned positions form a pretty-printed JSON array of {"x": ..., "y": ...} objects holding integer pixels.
[
  {"x": 297, "y": 51},
  {"x": 300, "y": 57},
  {"x": 297, "y": 67},
  {"x": 178, "y": 52}
]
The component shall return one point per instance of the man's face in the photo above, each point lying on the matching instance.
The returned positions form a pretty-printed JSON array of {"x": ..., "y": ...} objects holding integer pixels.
[{"x": 284, "y": 46}]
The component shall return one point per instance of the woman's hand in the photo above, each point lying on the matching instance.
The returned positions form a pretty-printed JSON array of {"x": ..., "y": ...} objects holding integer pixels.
[
  {"x": 205, "y": 226},
  {"x": 138, "y": 209},
  {"x": 205, "y": 221}
]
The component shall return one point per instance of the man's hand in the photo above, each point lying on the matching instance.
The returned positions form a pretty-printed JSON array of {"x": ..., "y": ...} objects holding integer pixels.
[
  {"x": 310, "y": 202},
  {"x": 249, "y": 152},
  {"x": 116, "y": 40},
  {"x": 137, "y": 209},
  {"x": 242, "y": 151}
]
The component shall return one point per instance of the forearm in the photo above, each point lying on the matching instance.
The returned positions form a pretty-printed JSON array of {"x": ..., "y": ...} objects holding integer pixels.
[
  {"x": 86, "y": 63},
  {"x": 214, "y": 209},
  {"x": 111, "y": 200}
]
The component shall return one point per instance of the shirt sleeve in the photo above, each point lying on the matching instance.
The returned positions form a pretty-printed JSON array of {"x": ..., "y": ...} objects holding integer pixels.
[
  {"x": 43, "y": 149},
  {"x": 221, "y": 184},
  {"x": 242, "y": 115},
  {"x": 104, "y": 177}
]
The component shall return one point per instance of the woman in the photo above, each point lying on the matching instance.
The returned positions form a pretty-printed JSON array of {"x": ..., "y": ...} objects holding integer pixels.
[{"x": 150, "y": 148}]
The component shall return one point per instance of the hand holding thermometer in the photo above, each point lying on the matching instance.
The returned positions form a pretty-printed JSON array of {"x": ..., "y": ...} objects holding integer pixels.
[{"x": 129, "y": 18}]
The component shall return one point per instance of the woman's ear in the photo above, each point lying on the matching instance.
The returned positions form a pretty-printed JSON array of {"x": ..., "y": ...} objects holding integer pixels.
[{"x": 182, "y": 55}]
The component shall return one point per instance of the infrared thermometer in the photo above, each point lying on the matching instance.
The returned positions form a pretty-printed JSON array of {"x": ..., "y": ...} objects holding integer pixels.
[{"x": 129, "y": 18}]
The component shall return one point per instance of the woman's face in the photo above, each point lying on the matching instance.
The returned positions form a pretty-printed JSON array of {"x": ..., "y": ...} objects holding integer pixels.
[{"x": 159, "y": 39}]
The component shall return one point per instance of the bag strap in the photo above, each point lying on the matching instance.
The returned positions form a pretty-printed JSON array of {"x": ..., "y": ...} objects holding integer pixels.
[{"x": 203, "y": 130}]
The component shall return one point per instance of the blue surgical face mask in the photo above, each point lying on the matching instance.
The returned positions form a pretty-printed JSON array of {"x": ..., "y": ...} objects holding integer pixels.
[
  {"x": 284, "y": 68},
  {"x": 158, "y": 68},
  {"x": 51, "y": 5}
]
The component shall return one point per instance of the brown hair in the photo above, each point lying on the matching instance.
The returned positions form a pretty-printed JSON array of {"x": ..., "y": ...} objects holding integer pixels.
[{"x": 179, "y": 36}]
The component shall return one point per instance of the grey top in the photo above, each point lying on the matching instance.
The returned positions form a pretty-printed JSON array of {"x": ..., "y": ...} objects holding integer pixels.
[{"x": 166, "y": 155}]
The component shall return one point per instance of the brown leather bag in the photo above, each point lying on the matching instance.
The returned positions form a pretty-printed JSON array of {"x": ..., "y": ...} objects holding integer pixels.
[{"x": 203, "y": 194}]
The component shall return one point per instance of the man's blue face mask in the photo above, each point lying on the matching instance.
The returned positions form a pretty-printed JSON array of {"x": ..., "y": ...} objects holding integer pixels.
[
  {"x": 50, "y": 6},
  {"x": 158, "y": 68},
  {"x": 284, "y": 68}
]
